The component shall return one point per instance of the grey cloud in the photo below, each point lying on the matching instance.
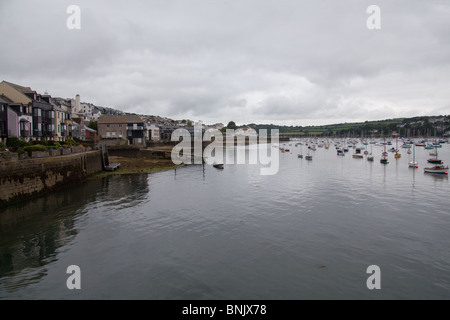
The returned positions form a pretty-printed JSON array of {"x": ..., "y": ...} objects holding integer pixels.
[{"x": 248, "y": 61}]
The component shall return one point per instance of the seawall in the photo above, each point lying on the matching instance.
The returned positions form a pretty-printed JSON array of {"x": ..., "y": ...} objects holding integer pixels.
[{"x": 23, "y": 178}]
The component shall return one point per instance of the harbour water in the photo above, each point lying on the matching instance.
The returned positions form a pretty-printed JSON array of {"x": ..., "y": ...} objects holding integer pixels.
[{"x": 308, "y": 232}]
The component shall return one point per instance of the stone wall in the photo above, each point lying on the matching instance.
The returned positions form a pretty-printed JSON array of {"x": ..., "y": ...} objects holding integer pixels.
[
  {"x": 20, "y": 179},
  {"x": 137, "y": 153}
]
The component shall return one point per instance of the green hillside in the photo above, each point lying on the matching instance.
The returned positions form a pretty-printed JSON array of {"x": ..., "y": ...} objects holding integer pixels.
[{"x": 416, "y": 126}]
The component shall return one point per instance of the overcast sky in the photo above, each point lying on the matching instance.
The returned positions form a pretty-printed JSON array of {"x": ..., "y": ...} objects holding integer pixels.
[{"x": 265, "y": 61}]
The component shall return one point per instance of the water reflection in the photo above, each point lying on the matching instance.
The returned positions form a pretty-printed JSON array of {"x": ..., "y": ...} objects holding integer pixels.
[
  {"x": 436, "y": 176},
  {"x": 33, "y": 231}
]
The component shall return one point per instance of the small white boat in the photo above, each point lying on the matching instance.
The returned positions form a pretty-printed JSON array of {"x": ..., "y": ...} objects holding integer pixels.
[
  {"x": 218, "y": 165},
  {"x": 413, "y": 164}
]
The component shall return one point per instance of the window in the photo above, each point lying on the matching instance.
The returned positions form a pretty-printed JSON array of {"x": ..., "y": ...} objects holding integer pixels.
[
  {"x": 108, "y": 134},
  {"x": 107, "y": 125},
  {"x": 39, "y": 126},
  {"x": 120, "y": 126}
]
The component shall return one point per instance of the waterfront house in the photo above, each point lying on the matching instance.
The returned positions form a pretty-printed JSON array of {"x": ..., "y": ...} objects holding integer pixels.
[
  {"x": 153, "y": 133},
  {"x": 129, "y": 127},
  {"x": 67, "y": 123},
  {"x": 16, "y": 119},
  {"x": 36, "y": 115},
  {"x": 86, "y": 133},
  {"x": 43, "y": 119},
  {"x": 3, "y": 120}
]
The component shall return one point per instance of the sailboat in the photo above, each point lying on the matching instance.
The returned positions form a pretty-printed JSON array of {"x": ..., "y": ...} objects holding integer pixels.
[
  {"x": 435, "y": 160},
  {"x": 397, "y": 155},
  {"x": 437, "y": 169},
  {"x": 384, "y": 159},
  {"x": 414, "y": 163},
  {"x": 370, "y": 157},
  {"x": 300, "y": 155},
  {"x": 358, "y": 154},
  {"x": 308, "y": 157}
]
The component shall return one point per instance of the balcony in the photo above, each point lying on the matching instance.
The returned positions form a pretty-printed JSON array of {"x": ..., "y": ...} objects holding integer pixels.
[
  {"x": 37, "y": 133},
  {"x": 134, "y": 128}
]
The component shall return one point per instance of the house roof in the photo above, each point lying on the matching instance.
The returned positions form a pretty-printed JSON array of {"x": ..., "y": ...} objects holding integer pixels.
[
  {"x": 20, "y": 88},
  {"x": 112, "y": 119},
  {"x": 5, "y": 99},
  {"x": 56, "y": 108}
]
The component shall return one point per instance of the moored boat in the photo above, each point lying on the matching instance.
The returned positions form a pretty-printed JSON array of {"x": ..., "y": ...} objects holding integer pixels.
[
  {"x": 413, "y": 163},
  {"x": 441, "y": 169},
  {"x": 218, "y": 165}
]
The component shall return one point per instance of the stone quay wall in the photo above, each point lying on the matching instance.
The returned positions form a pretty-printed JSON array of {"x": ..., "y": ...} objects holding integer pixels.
[{"x": 22, "y": 177}]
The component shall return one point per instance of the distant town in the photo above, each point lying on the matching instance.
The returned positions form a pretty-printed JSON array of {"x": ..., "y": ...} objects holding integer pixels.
[{"x": 32, "y": 116}]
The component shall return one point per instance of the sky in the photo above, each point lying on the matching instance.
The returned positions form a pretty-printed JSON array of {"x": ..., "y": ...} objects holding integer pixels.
[{"x": 291, "y": 62}]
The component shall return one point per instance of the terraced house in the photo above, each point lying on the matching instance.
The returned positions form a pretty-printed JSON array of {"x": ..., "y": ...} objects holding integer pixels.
[
  {"x": 32, "y": 115},
  {"x": 16, "y": 119}
]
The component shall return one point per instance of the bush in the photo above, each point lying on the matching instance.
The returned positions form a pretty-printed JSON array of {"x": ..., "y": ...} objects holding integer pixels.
[
  {"x": 36, "y": 142},
  {"x": 2, "y": 146},
  {"x": 71, "y": 142},
  {"x": 14, "y": 142},
  {"x": 37, "y": 147},
  {"x": 54, "y": 145}
]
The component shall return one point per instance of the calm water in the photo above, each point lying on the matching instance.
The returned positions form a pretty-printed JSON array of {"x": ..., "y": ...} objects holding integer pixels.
[{"x": 309, "y": 232}]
